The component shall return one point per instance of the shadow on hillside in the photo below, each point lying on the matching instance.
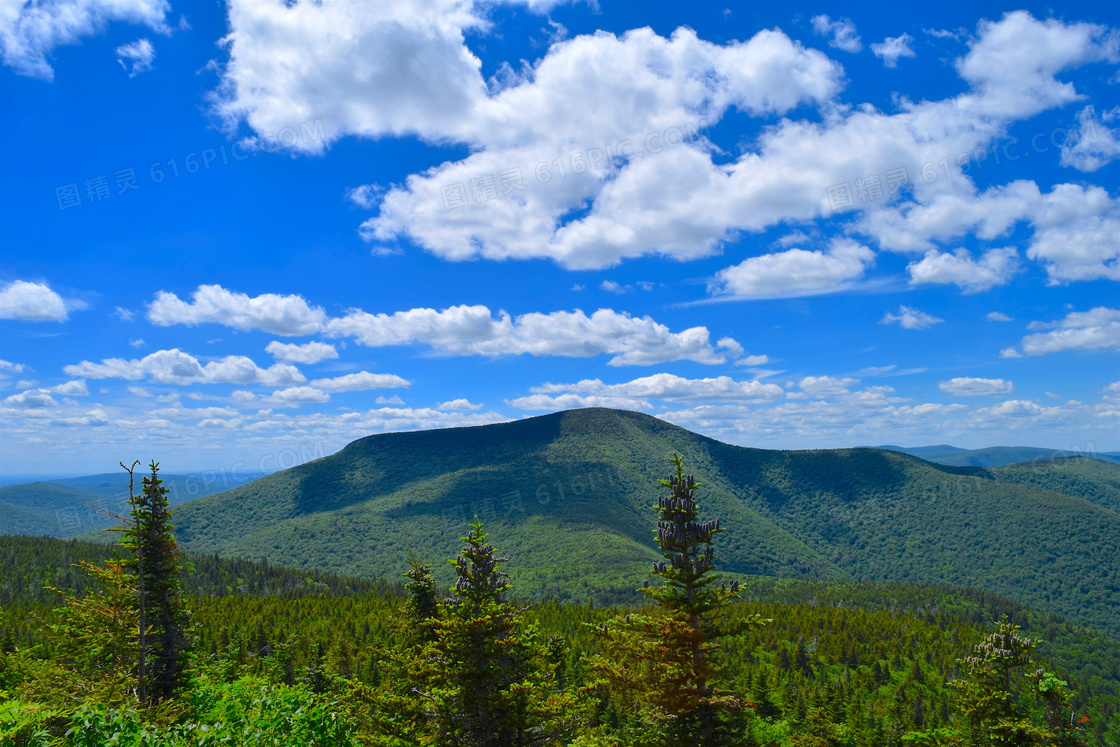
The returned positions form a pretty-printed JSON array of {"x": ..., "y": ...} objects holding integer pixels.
[
  {"x": 569, "y": 493},
  {"x": 386, "y": 463}
]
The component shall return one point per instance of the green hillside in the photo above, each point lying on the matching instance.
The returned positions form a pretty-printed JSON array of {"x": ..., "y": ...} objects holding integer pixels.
[
  {"x": 60, "y": 508},
  {"x": 1092, "y": 479},
  {"x": 49, "y": 508},
  {"x": 17, "y": 520},
  {"x": 995, "y": 456},
  {"x": 851, "y": 514},
  {"x": 884, "y": 517}
]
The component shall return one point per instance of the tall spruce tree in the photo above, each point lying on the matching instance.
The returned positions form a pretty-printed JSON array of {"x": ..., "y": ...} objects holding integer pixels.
[
  {"x": 405, "y": 712},
  {"x": 91, "y": 642},
  {"x": 156, "y": 563},
  {"x": 498, "y": 687},
  {"x": 665, "y": 665},
  {"x": 991, "y": 697},
  {"x": 996, "y": 697}
]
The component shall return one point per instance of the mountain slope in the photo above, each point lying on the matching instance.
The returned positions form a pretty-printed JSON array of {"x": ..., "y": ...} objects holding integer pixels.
[
  {"x": 568, "y": 497},
  {"x": 1092, "y": 479},
  {"x": 995, "y": 456},
  {"x": 60, "y": 508},
  {"x": 906, "y": 523}
]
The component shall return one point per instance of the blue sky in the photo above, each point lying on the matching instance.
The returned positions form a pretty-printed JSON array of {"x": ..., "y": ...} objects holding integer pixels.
[{"x": 232, "y": 231}]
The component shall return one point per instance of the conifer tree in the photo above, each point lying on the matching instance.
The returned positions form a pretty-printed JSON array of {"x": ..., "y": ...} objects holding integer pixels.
[
  {"x": 994, "y": 713},
  {"x": 993, "y": 699},
  {"x": 497, "y": 686},
  {"x": 156, "y": 563},
  {"x": 423, "y": 605},
  {"x": 665, "y": 664},
  {"x": 404, "y": 711},
  {"x": 92, "y": 642}
]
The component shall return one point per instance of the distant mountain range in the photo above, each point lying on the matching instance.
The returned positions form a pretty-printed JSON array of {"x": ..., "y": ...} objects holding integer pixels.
[
  {"x": 568, "y": 498},
  {"x": 996, "y": 456},
  {"x": 60, "y": 507}
]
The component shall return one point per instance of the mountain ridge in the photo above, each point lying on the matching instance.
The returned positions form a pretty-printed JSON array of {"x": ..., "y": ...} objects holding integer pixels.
[
  {"x": 997, "y": 456},
  {"x": 568, "y": 496}
]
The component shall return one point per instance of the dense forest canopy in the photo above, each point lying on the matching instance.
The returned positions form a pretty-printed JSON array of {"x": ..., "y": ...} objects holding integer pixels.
[{"x": 307, "y": 657}]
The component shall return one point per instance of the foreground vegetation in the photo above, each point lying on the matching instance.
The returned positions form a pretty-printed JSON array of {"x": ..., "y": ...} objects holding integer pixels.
[{"x": 279, "y": 657}]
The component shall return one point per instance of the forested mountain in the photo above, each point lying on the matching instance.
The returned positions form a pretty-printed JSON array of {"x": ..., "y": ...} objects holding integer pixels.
[
  {"x": 997, "y": 456},
  {"x": 61, "y": 507},
  {"x": 569, "y": 493},
  {"x": 1096, "y": 481}
]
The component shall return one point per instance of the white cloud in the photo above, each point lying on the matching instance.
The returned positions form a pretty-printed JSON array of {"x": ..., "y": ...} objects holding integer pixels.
[
  {"x": 140, "y": 53},
  {"x": 32, "y": 302},
  {"x": 551, "y": 403},
  {"x": 365, "y": 195},
  {"x": 370, "y": 69},
  {"x": 1018, "y": 57},
  {"x": 842, "y": 32},
  {"x": 460, "y": 405},
  {"x": 299, "y": 395},
  {"x": 576, "y": 101},
  {"x": 585, "y": 94},
  {"x": 471, "y": 330},
  {"x": 394, "y": 400},
  {"x": 1077, "y": 234},
  {"x": 826, "y": 386},
  {"x": 92, "y": 418},
  {"x": 75, "y": 388},
  {"x": 1076, "y": 228},
  {"x": 612, "y": 287},
  {"x": 1016, "y": 413},
  {"x": 996, "y": 316},
  {"x": 124, "y": 314},
  {"x": 361, "y": 381},
  {"x": 911, "y": 318},
  {"x": 867, "y": 416},
  {"x": 794, "y": 272},
  {"x": 594, "y": 91},
  {"x": 308, "y": 353},
  {"x": 1096, "y": 329},
  {"x": 280, "y": 315},
  {"x": 753, "y": 360},
  {"x": 892, "y": 48},
  {"x": 1095, "y": 317},
  {"x": 8, "y": 368},
  {"x": 193, "y": 413},
  {"x": 1094, "y": 145},
  {"x": 228, "y": 423},
  {"x": 945, "y": 33},
  {"x": 969, "y": 387},
  {"x": 637, "y": 394},
  {"x": 729, "y": 344},
  {"x": 30, "y": 31},
  {"x": 995, "y": 267},
  {"x": 176, "y": 367},
  {"x": 459, "y": 330},
  {"x": 34, "y": 398}
]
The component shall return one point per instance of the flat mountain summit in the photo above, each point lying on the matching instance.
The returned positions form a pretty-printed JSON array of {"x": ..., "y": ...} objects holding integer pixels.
[{"x": 568, "y": 498}]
